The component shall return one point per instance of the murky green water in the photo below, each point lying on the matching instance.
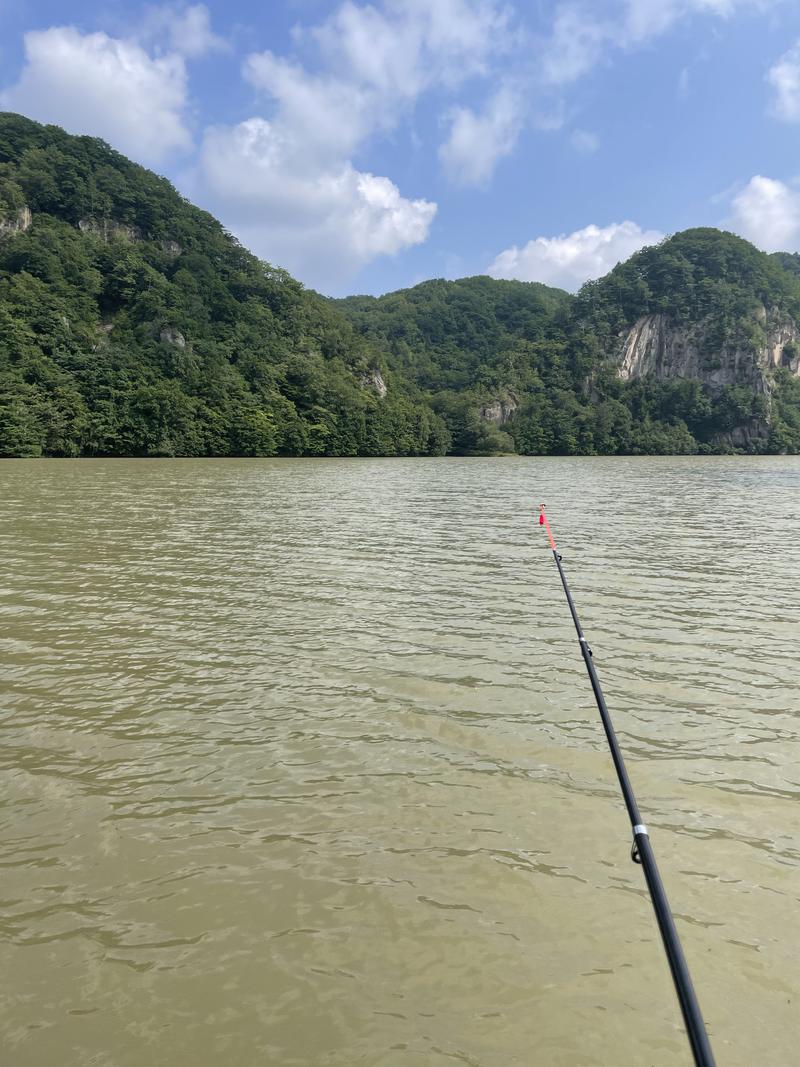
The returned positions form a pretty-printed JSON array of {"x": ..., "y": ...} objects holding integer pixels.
[{"x": 300, "y": 764}]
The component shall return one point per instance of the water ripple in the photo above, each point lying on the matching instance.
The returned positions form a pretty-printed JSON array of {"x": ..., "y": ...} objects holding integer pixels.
[{"x": 300, "y": 764}]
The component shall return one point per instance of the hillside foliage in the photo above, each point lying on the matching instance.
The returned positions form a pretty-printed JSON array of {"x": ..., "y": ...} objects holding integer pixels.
[
  {"x": 468, "y": 342},
  {"x": 132, "y": 324}
]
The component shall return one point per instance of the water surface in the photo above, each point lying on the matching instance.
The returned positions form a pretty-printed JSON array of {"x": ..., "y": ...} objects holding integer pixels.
[{"x": 299, "y": 764}]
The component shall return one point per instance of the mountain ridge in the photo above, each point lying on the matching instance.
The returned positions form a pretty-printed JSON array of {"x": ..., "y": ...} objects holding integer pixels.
[{"x": 132, "y": 323}]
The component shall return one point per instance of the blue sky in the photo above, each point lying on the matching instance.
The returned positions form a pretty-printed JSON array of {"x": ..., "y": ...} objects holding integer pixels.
[{"x": 366, "y": 147}]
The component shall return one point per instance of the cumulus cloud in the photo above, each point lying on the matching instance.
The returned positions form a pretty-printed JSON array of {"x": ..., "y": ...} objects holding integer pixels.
[
  {"x": 96, "y": 84},
  {"x": 571, "y": 259},
  {"x": 477, "y": 141},
  {"x": 322, "y": 223},
  {"x": 767, "y": 212},
  {"x": 784, "y": 77},
  {"x": 326, "y": 117},
  {"x": 286, "y": 180},
  {"x": 409, "y": 45},
  {"x": 375, "y": 63}
]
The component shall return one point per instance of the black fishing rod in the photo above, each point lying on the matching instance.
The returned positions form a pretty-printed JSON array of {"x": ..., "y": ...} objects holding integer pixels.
[{"x": 642, "y": 851}]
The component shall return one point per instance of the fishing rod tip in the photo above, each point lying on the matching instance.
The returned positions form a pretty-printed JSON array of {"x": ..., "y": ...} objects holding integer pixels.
[{"x": 543, "y": 522}]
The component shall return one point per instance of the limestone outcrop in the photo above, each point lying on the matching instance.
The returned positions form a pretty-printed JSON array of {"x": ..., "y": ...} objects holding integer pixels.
[
  {"x": 109, "y": 229},
  {"x": 499, "y": 411},
  {"x": 16, "y": 223},
  {"x": 373, "y": 379},
  {"x": 657, "y": 347}
]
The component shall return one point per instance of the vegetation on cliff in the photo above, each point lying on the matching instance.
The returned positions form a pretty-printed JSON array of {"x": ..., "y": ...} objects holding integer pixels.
[
  {"x": 131, "y": 323},
  {"x": 553, "y": 358}
]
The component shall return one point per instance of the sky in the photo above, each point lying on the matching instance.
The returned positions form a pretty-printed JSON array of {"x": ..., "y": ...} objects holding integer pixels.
[{"x": 366, "y": 147}]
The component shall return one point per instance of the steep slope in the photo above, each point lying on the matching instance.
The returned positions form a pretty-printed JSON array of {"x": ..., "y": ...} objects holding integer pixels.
[
  {"x": 445, "y": 334},
  {"x": 704, "y": 307},
  {"x": 131, "y": 323},
  {"x": 473, "y": 348},
  {"x": 688, "y": 346}
]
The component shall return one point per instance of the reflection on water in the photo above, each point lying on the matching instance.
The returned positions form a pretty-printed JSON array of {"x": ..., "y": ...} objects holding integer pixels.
[{"x": 300, "y": 764}]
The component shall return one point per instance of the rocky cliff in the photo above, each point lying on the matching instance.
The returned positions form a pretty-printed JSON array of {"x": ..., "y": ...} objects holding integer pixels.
[
  {"x": 499, "y": 411},
  {"x": 657, "y": 346},
  {"x": 109, "y": 228},
  {"x": 701, "y": 331},
  {"x": 16, "y": 222}
]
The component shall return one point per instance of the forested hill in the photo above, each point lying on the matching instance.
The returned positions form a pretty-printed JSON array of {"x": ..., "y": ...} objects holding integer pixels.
[
  {"x": 688, "y": 346},
  {"x": 449, "y": 335},
  {"x": 131, "y": 323},
  {"x": 472, "y": 348}
]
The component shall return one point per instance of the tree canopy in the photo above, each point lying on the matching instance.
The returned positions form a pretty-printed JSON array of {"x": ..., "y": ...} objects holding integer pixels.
[{"x": 132, "y": 323}]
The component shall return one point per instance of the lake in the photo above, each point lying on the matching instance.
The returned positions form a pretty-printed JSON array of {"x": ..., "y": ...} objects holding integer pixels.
[{"x": 300, "y": 762}]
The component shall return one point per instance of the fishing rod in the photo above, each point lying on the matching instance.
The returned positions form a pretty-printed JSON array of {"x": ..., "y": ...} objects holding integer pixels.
[{"x": 642, "y": 850}]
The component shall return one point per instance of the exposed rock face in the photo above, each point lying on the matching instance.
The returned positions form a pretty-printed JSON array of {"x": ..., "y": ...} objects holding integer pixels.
[
  {"x": 171, "y": 336},
  {"x": 782, "y": 348},
  {"x": 110, "y": 228},
  {"x": 172, "y": 248},
  {"x": 374, "y": 380},
  {"x": 499, "y": 411},
  {"x": 656, "y": 347},
  {"x": 17, "y": 223}
]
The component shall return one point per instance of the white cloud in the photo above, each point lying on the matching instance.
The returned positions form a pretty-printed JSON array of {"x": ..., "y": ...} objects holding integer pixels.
[
  {"x": 96, "y": 84},
  {"x": 323, "y": 223},
  {"x": 767, "y": 212},
  {"x": 584, "y": 34},
  {"x": 576, "y": 44},
  {"x": 326, "y": 117},
  {"x": 375, "y": 63},
  {"x": 288, "y": 185},
  {"x": 784, "y": 77},
  {"x": 186, "y": 30},
  {"x": 571, "y": 259},
  {"x": 585, "y": 142},
  {"x": 647, "y": 19},
  {"x": 478, "y": 141},
  {"x": 409, "y": 45}
]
